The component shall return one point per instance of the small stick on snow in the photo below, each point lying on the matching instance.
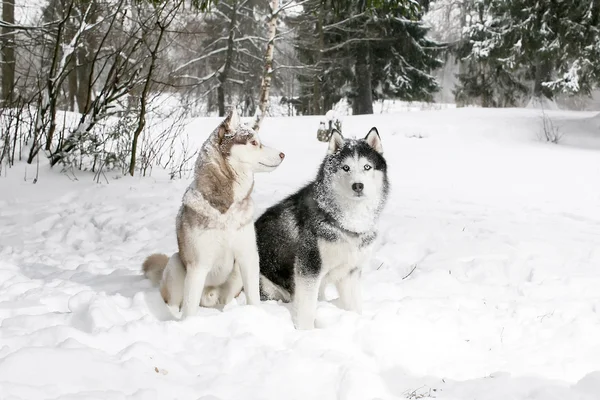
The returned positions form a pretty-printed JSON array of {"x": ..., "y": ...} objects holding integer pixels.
[
  {"x": 411, "y": 271},
  {"x": 379, "y": 266},
  {"x": 37, "y": 169}
]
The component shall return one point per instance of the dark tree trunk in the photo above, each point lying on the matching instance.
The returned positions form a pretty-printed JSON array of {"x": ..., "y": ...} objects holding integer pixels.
[
  {"x": 53, "y": 84},
  {"x": 8, "y": 51},
  {"x": 487, "y": 98},
  {"x": 228, "y": 61},
  {"x": 221, "y": 99},
  {"x": 85, "y": 60},
  {"x": 363, "y": 103},
  {"x": 144, "y": 98},
  {"x": 72, "y": 84},
  {"x": 83, "y": 79},
  {"x": 543, "y": 71},
  {"x": 317, "y": 101}
]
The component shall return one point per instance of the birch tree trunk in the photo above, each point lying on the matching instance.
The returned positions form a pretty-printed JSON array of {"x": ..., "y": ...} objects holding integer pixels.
[{"x": 265, "y": 86}]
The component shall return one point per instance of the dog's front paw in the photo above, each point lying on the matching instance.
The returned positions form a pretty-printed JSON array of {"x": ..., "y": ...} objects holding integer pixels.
[{"x": 175, "y": 310}]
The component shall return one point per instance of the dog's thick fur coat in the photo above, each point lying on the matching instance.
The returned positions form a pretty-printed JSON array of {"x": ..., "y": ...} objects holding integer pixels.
[
  {"x": 324, "y": 233},
  {"x": 215, "y": 235}
]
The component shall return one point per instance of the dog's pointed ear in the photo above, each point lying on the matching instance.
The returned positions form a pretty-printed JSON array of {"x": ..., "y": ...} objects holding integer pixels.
[
  {"x": 229, "y": 124},
  {"x": 374, "y": 140},
  {"x": 232, "y": 121},
  {"x": 335, "y": 142}
]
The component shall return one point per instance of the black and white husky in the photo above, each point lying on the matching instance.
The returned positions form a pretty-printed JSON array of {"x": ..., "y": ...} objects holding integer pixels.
[{"x": 324, "y": 233}]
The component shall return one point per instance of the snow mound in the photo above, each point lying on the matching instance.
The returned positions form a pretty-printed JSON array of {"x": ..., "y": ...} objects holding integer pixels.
[{"x": 484, "y": 283}]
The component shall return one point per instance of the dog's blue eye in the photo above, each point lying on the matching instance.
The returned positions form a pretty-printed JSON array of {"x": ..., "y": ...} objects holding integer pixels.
[
  {"x": 367, "y": 167},
  {"x": 346, "y": 168}
]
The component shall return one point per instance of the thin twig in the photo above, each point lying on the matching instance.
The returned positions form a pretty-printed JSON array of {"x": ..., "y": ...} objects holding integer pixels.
[
  {"x": 37, "y": 169},
  {"x": 411, "y": 271}
]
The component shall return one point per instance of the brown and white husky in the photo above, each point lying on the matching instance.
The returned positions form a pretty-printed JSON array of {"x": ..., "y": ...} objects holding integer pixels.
[{"x": 215, "y": 229}]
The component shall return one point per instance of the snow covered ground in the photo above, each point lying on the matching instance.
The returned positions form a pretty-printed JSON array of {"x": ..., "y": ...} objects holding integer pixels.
[{"x": 501, "y": 233}]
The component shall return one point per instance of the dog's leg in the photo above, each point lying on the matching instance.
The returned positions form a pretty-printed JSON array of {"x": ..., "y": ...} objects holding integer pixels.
[
  {"x": 306, "y": 293},
  {"x": 322, "y": 290},
  {"x": 232, "y": 287},
  {"x": 246, "y": 255},
  {"x": 350, "y": 291},
  {"x": 193, "y": 288}
]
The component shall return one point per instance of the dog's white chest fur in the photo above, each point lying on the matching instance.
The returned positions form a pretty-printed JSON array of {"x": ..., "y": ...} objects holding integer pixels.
[
  {"x": 220, "y": 251},
  {"x": 340, "y": 258},
  {"x": 226, "y": 235}
]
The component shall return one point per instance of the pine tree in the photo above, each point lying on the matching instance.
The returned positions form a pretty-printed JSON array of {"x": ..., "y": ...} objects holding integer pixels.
[
  {"x": 577, "y": 65},
  {"x": 365, "y": 51},
  {"x": 319, "y": 88},
  {"x": 550, "y": 45},
  {"x": 402, "y": 68},
  {"x": 485, "y": 77}
]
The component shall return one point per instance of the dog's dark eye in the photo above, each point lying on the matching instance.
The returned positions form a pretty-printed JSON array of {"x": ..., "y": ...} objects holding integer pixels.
[
  {"x": 254, "y": 143},
  {"x": 346, "y": 168},
  {"x": 367, "y": 167}
]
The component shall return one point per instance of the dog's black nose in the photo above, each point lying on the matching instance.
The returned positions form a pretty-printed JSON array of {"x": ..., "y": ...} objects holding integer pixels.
[{"x": 358, "y": 187}]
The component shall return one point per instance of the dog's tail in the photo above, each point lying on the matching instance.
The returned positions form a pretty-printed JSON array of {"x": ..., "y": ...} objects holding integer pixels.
[{"x": 153, "y": 267}]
